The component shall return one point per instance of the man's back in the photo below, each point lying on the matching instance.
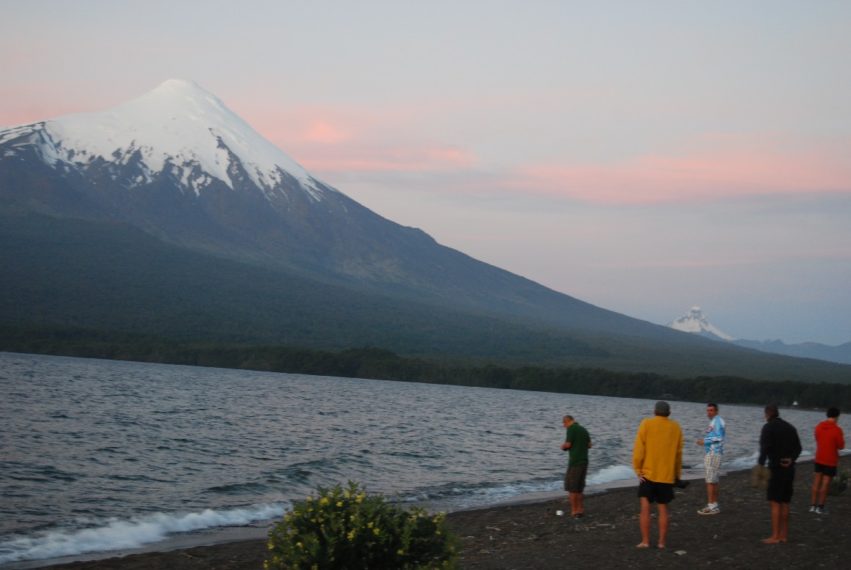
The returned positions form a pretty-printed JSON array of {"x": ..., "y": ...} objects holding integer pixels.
[
  {"x": 829, "y": 440},
  {"x": 579, "y": 439},
  {"x": 658, "y": 449},
  {"x": 778, "y": 440}
]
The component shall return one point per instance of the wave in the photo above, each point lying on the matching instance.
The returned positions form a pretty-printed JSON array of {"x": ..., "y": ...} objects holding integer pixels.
[
  {"x": 611, "y": 474},
  {"x": 118, "y": 534},
  {"x": 748, "y": 461}
]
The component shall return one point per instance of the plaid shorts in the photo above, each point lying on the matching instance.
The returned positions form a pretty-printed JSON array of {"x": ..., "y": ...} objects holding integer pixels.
[{"x": 712, "y": 462}]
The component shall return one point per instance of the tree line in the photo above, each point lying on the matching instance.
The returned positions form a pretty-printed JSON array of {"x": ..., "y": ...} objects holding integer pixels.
[{"x": 380, "y": 364}]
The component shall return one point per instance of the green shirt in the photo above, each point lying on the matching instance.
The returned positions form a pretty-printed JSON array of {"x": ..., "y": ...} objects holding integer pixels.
[{"x": 579, "y": 442}]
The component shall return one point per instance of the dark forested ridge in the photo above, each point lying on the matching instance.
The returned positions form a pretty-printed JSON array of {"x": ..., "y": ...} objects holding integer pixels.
[
  {"x": 67, "y": 274},
  {"x": 378, "y": 364}
]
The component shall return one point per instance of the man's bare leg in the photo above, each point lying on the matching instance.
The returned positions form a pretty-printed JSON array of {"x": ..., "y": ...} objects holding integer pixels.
[
  {"x": 825, "y": 487},
  {"x": 712, "y": 493},
  {"x": 775, "y": 524},
  {"x": 644, "y": 523},
  {"x": 663, "y": 524},
  {"x": 816, "y": 488},
  {"x": 783, "y": 534}
]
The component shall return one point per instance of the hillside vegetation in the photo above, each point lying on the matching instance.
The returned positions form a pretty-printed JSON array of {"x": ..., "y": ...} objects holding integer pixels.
[{"x": 70, "y": 274}]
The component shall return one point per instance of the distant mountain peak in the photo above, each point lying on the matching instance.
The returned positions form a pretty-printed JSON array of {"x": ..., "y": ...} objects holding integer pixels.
[
  {"x": 177, "y": 128},
  {"x": 696, "y": 322}
]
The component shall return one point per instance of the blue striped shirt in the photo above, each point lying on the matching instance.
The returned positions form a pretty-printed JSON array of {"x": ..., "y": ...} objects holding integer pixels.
[{"x": 713, "y": 440}]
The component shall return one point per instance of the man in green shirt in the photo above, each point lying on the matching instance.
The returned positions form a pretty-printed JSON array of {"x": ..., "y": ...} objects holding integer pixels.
[{"x": 577, "y": 442}]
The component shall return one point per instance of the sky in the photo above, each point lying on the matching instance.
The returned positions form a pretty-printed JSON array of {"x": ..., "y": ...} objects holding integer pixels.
[{"x": 642, "y": 156}]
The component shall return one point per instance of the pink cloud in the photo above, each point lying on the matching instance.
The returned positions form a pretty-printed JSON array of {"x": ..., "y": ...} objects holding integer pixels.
[
  {"x": 324, "y": 132},
  {"x": 343, "y": 140},
  {"x": 708, "y": 175},
  {"x": 381, "y": 159}
]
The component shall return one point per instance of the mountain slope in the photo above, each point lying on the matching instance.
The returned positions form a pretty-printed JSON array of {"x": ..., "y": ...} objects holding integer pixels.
[
  {"x": 180, "y": 166},
  {"x": 840, "y": 353},
  {"x": 176, "y": 179},
  {"x": 696, "y": 322},
  {"x": 61, "y": 273}
]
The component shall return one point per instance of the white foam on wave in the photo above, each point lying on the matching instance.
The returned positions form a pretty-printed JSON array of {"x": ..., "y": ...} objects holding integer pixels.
[
  {"x": 748, "y": 461},
  {"x": 127, "y": 534},
  {"x": 611, "y": 474}
]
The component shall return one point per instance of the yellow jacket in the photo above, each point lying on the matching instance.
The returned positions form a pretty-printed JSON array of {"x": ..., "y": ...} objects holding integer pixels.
[{"x": 658, "y": 451}]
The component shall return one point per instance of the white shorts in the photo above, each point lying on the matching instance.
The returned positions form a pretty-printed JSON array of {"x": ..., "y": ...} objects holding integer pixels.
[{"x": 712, "y": 462}]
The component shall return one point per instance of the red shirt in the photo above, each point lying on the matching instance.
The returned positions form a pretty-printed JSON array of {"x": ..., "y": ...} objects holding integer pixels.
[{"x": 829, "y": 440}]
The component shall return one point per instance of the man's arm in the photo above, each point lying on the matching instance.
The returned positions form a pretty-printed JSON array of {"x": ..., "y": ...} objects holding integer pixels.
[
  {"x": 638, "y": 451},
  {"x": 841, "y": 443},
  {"x": 796, "y": 452},
  {"x": 764, "y": 438},
  {"x": 568, "y": 440},
  {"x": 678, "y": 462}
]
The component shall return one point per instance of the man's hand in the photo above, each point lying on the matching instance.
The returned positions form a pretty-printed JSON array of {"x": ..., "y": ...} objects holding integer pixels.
[
  {"x": 699, "y": 442},
  {"x": 565, "y": 446}
]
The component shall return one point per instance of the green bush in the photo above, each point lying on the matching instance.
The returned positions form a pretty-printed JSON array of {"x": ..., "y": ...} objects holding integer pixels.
[
  {"x": 346, "y": 528},
  {"x": 838, "y": 484}
]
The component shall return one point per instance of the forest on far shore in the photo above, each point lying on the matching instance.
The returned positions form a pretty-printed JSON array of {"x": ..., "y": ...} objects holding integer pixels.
[{"x": 379, "y": 364}]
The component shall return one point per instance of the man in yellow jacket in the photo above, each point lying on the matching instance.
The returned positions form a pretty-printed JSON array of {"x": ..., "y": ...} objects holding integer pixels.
[{"x": 657, "y": 458}]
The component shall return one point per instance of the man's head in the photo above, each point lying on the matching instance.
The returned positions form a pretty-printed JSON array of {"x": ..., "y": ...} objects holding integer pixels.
[
  {"x": 833, "y": 412},
  {"x": 711, "y": 410},
  {"x": 771, "y": 412},
  {"x": 662, "y": 408},
  {"x": 567, "y": 421}
]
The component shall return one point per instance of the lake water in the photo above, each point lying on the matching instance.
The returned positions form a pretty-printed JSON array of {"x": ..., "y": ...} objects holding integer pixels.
[{"x": 103, "y": 455}]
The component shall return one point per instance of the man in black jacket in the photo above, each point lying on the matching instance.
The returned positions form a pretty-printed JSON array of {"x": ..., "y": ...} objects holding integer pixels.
[{"x": 780, "y": 445}]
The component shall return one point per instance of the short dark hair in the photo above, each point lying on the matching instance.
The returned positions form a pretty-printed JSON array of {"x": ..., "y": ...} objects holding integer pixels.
[
  {"x": 567, "y": 417},
  {"x": 712, "y": 405},
  {"x": 833, "y": 412},
  {"x": 771, "y": 411}
]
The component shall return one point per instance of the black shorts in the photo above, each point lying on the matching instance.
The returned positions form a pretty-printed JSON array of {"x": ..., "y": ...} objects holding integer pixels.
[
  {"x": 825, "y": 469},
  {"x": 574, "y": 478},
  {"x": 661, "y": 493},
  {"x": 781, "y": 484}
]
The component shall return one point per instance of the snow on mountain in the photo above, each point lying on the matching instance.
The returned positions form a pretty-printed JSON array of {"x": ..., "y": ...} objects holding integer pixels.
[
  {"x": 695, "y": 322},
  {"x": 177, "y": 126}
]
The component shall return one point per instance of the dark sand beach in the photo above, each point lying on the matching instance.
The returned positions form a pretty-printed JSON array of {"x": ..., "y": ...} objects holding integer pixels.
[{"x": 533, "y": 536}]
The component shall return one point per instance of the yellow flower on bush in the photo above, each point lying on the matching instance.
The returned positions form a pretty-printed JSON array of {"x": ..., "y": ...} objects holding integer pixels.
[{"x": 347, "y": 524}]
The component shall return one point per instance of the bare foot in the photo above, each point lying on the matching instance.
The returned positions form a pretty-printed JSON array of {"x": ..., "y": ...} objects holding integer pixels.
[
  {"x": 660, "y": 546},
  {"x": 771, "y": 540},
  {"x": 642, "y": 545}
]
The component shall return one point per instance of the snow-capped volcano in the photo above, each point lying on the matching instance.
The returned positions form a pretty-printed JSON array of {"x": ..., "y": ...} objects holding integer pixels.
[
  {"x": 696, "y": 322},
  {"x": 178, "y": 129}
]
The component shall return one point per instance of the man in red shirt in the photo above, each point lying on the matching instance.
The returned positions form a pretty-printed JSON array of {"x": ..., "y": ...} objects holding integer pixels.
[{"x": 829, "y": 440}]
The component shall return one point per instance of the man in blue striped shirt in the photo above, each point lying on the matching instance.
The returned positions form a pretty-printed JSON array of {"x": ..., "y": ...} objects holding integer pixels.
[{"x": 713, "y": 448}]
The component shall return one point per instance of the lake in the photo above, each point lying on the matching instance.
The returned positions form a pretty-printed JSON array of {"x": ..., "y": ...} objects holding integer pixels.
[{"x": 100, "y": 455}]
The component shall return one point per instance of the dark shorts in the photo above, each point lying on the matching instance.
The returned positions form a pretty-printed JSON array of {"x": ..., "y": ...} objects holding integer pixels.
[
  {"x": 661, "y": 493},
  {"x": 825, "y": 469},
  {"x": 574, "y": 478},
  {"x": 781, "y": 484}
]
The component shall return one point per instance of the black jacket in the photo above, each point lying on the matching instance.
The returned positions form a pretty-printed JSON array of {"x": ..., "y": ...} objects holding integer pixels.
[{"x": 778, "y": 440}]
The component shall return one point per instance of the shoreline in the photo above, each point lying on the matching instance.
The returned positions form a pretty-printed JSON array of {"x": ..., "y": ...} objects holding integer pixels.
[{"x": 524, "y": 532}]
